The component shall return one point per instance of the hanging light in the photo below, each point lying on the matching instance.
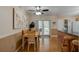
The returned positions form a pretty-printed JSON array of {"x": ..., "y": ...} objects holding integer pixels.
[
  {"x": 37, "y": 7},
  {"x": 38, "y": 12}
]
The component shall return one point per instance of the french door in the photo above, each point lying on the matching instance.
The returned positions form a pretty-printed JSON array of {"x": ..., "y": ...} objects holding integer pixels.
[{"x": 44, "y": 27}]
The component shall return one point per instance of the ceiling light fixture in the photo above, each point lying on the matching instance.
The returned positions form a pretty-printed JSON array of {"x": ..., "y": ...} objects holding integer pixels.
[
  {"x": 38, "y": 8},
  {"x": 38, "y": 12}
]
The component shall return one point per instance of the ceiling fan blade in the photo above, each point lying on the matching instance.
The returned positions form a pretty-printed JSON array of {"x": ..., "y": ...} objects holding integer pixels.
[
  {"x": 45, "y": 10},
  {"x": 31, "y": 10}
]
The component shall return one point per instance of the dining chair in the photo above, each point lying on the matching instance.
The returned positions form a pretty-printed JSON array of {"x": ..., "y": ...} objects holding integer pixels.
[
  {"x": 31, "y": 40},
  {"x": 75, "y": 46}
]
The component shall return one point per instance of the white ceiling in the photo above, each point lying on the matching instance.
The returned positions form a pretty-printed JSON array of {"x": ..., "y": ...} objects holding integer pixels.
[{"x": 56, "y": 10}]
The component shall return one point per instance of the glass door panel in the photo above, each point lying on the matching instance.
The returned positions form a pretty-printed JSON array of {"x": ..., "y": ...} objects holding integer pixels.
[
  {"x": 44, "y": 27},
  {"x": 40, "y": 27}
]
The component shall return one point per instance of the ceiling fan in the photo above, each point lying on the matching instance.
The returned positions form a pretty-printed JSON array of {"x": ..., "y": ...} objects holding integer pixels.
[{"x": 38, "y": 10}]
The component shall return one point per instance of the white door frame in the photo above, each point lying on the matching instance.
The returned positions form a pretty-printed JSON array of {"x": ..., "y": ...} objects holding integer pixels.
[{"x": 43, "y": 26}]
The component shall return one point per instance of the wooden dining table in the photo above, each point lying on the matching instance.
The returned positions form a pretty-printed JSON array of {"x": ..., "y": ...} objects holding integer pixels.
[{"x": 36, "y": 35}]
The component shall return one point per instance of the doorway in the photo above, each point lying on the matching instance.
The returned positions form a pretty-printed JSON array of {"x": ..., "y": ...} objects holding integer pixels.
[{"x": 44, "y": 27}]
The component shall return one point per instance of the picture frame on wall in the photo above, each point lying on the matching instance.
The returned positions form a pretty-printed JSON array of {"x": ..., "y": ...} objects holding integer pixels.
[
  {"x": 16, "y": 19},
  {"x": 13, "y": 18},
  {"x": 19, "y": 19}
]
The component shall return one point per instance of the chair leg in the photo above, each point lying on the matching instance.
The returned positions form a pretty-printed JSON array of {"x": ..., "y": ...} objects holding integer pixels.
[
  {"x": 34, "y": 47},
  {"x": 72, "y": 48},
  {"x": 28, "y": 47}
]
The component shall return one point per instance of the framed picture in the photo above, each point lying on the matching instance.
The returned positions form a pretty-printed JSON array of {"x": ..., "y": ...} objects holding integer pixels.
[{"x": 19, "y": 19}]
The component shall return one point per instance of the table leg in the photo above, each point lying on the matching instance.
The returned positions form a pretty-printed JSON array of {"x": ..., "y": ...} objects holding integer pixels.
[
  {"x": 37, "y": 43},
  {"x": 23, "y": 43}
]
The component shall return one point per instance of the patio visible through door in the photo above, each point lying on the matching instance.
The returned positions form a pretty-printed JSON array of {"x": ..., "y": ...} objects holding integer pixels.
[{"x": 44, "y": 27}]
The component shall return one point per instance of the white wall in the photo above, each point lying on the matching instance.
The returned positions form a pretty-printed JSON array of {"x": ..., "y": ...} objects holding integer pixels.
[
  {"x": 73, "y": 26},
  {"x": 6, "y": 21},
  {"x": 60, "y": 24},
  {"x": 76, "y": 27}
]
